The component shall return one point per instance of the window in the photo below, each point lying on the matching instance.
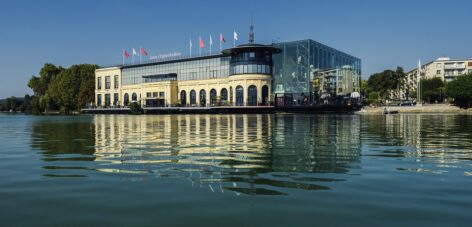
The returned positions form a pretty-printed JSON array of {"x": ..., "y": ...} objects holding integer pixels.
[
  {"x": 99, "y": 83},
  {"x": 438, "y": 72},
  {"x": 148, "y": 95},
  {"x": 224, "y": 95},
  {"x": 99, "y": 100},
  {"x": 116, "y": 84},
  {"x": 161, "y": 94},
  {"x": 115, "y": 99},
  {"x": 154, "y": 94},
  {"x": 193, "y": 97},
  {"x": 252, "y": 54},
  {"x": 107, "y": 82},
  {"x": 126, "y": 99},
  {"x": 107, "y": 100}
]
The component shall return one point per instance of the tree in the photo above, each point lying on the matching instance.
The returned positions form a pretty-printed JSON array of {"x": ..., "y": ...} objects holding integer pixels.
[
  {"x": 135, "y": 108},
  {"x": 385, "y": 81},
  {"x": 432, "y": 89},
  {"x": 63, "y": 89},
  {"x": 461, "y": 90}
]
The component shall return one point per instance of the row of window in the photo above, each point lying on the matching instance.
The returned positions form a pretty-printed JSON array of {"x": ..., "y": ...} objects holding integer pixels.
[
  {"x": 250, "y": 69},
  {"x": 108, "y": 100},
  {"x": 217, "y": 67},
  {"x": 108, "y": 82},
  {"x": 155, "y": 95},
  {"x": 251, "y": 99}
]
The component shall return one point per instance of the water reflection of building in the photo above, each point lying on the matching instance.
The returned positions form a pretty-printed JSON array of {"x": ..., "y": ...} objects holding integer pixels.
[
  {"x": 433, "y": 137},
  {"x": 230, "y": 152}
]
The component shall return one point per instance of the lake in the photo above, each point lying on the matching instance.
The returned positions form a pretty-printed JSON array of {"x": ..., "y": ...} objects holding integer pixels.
[{"x": 236, "y": 170}]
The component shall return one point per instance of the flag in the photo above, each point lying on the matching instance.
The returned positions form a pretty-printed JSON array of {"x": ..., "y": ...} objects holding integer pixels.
[
  {"x": 222, "y": 38},
  {"x": 202, "y": 44},
  {"x": 143, "y": 51},
  {"x": 126, "y": 54},
  {"x": 211, "y": 41},
  {"x": 134, "y": 52},
  {"x": 235, "y": 35},
  {"x": 190, "y": 43}
]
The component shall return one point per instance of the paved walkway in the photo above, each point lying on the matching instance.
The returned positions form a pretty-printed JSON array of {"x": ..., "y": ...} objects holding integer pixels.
[{"x": 426, "y": 108}]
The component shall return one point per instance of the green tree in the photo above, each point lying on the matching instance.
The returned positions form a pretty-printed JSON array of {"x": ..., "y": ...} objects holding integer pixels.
[
  {"x": 384, "y": 81},
  {"x": 62, "y": 89},
  {"x": 432, "y": 90},
  {"x": 135, "y": 108},
  {"x": 461, "y": 90}
]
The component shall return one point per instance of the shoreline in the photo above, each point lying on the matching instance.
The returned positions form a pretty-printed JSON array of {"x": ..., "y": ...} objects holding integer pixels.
[{"x": 426, "y": 109}]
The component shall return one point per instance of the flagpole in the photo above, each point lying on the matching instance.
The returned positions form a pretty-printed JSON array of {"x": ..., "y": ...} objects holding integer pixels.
[
  {"x": 123, "y": 56},
  {"x": 140, "y": 59}
]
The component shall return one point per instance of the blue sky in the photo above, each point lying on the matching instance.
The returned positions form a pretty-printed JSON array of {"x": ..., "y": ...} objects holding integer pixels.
[{"x": 383, "y": 34}]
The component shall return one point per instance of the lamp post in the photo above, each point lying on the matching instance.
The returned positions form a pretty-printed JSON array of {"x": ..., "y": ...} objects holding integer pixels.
[{"x": 418, "y": 90}]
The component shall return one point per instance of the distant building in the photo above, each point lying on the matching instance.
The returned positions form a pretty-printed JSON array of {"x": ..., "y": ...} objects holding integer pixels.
[
  {"x": 333, "y": 84},
  {"x": 444, "y": 68}
]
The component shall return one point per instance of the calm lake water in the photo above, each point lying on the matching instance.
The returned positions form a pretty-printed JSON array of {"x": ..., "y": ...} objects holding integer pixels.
[{"x": 236, "y": 170}]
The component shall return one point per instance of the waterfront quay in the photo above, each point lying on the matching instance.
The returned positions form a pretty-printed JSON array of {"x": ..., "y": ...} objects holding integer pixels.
[{"x": 227, "y": 109}]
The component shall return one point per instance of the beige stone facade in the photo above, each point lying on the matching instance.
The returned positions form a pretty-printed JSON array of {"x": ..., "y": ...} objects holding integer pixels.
[{"x": 208, "y": 92}]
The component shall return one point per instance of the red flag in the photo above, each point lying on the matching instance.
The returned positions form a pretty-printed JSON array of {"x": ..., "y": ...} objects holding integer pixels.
[
  {"x": 202, "y": 44},
  {"x": 222, "y": 38},
  {"x": 126, "y": 54},
  {"x": 143, "y": 51}
]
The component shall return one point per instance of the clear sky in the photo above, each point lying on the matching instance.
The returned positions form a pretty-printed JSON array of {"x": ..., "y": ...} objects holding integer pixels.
[{"x": 383, "y": 34}]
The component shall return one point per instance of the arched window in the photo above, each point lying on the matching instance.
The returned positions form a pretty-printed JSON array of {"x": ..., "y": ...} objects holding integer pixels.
[
  {"x": 212, "y": 97},
  {"x": 134, "y": 97},
  {"x": 202, "y": 97},
  {"x": 193, "y": 97},
  {"x": 252, "y": 96},
  {"x": 183, "y": 98},
  {"x": 239, "y": 96},
  {"x": 265, "y": 95},
  {"x": 224, "y": 95},
  {"x": 126, "y": 99}
]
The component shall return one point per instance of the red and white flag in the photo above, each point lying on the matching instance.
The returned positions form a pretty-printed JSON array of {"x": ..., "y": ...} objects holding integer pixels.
[
  {"x": 126, "y": 54},
  {"x": 143, "y": 51},
  {"x": 202, "y": 44},
  {"x": 222, "y": 38}
]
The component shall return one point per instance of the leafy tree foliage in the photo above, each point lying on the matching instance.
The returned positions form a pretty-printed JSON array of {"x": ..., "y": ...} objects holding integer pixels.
[
  {"x": 62, "y": 89},
  {"x": 461, "y": 90},
  {"x": 384, "y": 81},
  {"x": 135, "y": 108},
  {"x": 432, "y": 90}
]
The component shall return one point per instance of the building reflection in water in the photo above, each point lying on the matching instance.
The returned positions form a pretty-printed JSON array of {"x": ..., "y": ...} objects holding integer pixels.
[
  {"x": 440, "y": 139},
  {"x": 252, "y": 154}
]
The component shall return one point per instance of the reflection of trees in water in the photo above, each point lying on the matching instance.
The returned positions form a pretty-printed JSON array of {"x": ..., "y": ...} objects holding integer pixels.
[
  {"x": 441, "y": 137},
  {"x": 65, "y": 143},
  {"x": 64, "y": 135}
]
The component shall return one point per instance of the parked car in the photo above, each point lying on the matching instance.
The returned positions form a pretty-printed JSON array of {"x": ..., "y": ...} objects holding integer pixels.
[{"x": 407, "y": 103}]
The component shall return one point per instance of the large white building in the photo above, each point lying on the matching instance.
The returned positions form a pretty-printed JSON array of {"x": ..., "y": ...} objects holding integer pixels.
[{"x": 444, "y": 68}]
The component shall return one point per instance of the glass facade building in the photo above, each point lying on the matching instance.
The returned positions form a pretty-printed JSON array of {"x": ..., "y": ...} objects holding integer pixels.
[
  {"x": 198, "y": 68},
  {"x": 245, "y": 75},
  {"x": 293, "y": 68}
]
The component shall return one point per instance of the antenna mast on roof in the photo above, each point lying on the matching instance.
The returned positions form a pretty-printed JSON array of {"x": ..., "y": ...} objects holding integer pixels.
[{"x": 251, "y": 33}]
